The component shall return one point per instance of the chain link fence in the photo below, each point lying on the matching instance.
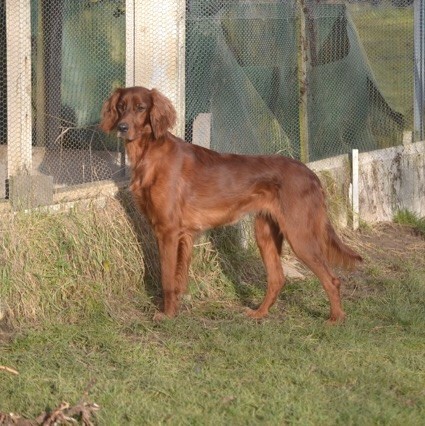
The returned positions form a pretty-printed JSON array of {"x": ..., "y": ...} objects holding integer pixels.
[{"x": 308, "y": 79}]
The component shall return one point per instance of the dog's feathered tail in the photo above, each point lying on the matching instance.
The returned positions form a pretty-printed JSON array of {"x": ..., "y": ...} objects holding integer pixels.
[{"x": 338, "y": 253}]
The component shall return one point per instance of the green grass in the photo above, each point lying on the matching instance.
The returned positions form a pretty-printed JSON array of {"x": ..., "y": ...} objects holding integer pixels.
[
  {"x": 221, "y": 368},
  {"x": 405, "y": 217},
  {"x": 211, "y": 365}
]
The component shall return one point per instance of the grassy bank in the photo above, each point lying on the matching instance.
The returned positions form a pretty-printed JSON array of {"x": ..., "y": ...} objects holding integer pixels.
[{"x": 79, "y": 290}]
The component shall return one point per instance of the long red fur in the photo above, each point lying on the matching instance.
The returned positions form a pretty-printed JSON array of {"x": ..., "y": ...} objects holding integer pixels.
[{"x": 184, "y": 189}]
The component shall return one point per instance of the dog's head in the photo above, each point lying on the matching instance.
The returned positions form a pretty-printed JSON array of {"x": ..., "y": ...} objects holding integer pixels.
[{"x": 136, "y": 111}]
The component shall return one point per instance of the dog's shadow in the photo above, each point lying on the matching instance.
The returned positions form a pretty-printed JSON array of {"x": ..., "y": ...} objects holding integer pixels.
[
  {"x": 240, "y": 261},
  {"x": 147, "y": 242}
]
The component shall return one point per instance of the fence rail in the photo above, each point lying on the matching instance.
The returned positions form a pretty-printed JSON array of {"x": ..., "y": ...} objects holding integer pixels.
[{"x": 301, "y": 78}]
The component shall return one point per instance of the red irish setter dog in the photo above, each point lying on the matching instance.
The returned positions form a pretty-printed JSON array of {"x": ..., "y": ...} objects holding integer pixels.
[{"x": 184, "y": 189}]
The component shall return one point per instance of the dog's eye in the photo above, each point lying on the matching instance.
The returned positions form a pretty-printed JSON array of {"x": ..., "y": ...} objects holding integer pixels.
[
  {"x": 140, "y": 107},
  {"x": 121, "y": 107}
]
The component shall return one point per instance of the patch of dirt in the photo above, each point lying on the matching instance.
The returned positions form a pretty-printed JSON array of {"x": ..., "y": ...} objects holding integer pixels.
[
  {"x": 389, "y": 246},
  {"x": 393, "y": 239},
  {"x": 388, "y": 250}
]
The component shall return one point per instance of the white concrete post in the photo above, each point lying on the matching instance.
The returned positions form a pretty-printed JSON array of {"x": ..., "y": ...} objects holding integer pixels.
[
  {"x": 159, "y": 50},
  {"x": 355, "y": 187},
  {"x": 201, "y": 134},
  {"x": 129, "y": 43},
  {"x": 19, "y": 125}
]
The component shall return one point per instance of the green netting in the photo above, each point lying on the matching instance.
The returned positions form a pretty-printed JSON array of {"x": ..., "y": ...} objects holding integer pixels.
[
  {"x": 244, "y": 64},
  {"x": 89, "y": 40},
  {"x": 78, "y": 58},
  {"x": 93, "y": 56},
  {"x": 346, "y": 109},
  {"x": 242, "y": 67}
]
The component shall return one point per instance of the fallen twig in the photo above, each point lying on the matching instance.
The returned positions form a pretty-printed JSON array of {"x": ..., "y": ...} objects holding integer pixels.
[
  {"x": 81, "y": 414},
  {"x": 9, "y": 419},
  {"x": 8, "y": 369},
  {"x": 64, "y": 414}
]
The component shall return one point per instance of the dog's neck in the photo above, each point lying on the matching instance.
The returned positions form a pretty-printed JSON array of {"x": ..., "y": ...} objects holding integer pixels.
[{"x": 136, "y": 149}]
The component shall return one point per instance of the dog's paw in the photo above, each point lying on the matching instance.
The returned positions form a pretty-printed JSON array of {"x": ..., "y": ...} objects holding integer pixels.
[
  {"x": 159, "y": 316},
  {"x": 255, "y": 313},
  {"x": 336, "y": 319}
]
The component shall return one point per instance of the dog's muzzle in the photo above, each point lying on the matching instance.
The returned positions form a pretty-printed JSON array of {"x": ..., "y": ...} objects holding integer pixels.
[{"x": 122, "y": 129}]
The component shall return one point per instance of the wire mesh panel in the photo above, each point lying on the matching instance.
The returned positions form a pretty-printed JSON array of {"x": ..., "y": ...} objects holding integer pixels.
[
  {"x": 305, "y": 78},
  {"x": 79, "y": 52},
  {"x": 361, "y": 76},
  {"x": 241, "y": 68},
  {"x": 249, "y": 65},
  {"x": 61, "y": 59}
]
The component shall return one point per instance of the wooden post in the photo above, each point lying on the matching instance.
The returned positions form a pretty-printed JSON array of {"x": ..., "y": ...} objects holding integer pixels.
[
  {"x": 303, "y": 71},
  {"x": 25, "y": 189}
]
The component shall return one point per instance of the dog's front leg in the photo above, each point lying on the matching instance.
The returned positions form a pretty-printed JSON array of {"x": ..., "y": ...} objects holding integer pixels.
[{"x": 168, "y": 248}]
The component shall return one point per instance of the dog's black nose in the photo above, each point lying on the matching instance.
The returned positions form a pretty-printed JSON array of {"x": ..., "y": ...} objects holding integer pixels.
[{"x": 122, "y": 127}]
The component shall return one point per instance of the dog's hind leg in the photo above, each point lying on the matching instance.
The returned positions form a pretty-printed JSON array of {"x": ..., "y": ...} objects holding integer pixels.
[
  {"x": 269, "y": 240},
  {"x": 308, "y": 250},
  {"x": 184, "y": 255}
]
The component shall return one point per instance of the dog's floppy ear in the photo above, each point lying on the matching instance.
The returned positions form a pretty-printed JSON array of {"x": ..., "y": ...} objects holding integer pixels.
[
  {"x": 109, "y": 114},
  {"x": 163, "y": 115}
]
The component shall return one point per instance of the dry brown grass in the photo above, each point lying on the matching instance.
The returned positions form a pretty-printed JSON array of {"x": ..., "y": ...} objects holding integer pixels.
[
  {"x": 66, "y": 265},
  {"x": 73, "y": 265}
]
